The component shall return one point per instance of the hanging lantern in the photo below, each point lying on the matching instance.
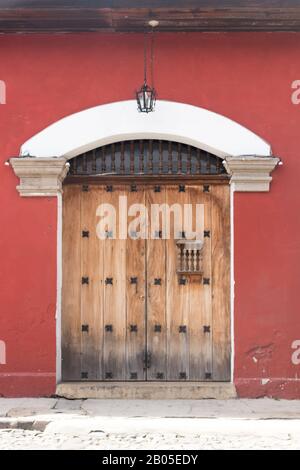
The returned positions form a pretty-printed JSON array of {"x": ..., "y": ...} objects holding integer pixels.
[
  {"x": 146, "y": 98},
  {"x": 146, "y": 95}
]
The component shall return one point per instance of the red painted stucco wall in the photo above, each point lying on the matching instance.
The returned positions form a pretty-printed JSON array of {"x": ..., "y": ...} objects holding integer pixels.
[{"x": 246, "y": 77}]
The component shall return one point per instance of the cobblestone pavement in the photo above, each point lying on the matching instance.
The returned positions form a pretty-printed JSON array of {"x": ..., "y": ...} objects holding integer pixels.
[
  {"x": 147, "y": 425},
  {"x": 23, "y": 439}
]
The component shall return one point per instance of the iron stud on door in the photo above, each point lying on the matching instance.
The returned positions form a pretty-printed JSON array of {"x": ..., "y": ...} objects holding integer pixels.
[
  {"x": 133, "y": 376},
  {"x": 133, "y": 328}
]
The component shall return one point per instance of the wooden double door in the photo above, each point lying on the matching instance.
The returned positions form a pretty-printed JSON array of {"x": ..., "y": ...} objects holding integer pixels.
[{"x": 128, "y": 314}]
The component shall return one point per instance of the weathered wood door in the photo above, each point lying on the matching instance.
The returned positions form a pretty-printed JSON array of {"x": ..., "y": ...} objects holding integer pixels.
[{"x": 127, "y": 314}]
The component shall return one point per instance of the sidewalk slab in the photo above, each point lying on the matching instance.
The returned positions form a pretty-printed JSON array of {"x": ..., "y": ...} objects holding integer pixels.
[{"x": 25, "y": 406}]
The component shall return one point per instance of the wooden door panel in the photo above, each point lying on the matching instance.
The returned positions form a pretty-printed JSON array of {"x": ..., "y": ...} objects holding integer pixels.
[
  {"x": 135, "y": 293},
  {"x": 114, "y": 285},
  {"x": 156, "y": 293},
  {"x": 133, "y": 302},
  {"x": 200, "y": 308},
  {"x": 221, "y": 281},
  {"x": 71, "y": 287},
  {"x": 91, "y": 293},
  {"x": 177, "y": 296}
]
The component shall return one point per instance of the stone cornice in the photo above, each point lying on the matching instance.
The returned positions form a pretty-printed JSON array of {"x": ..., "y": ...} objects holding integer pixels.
[
  {"x": 44, "y": 176},
  {"x": 40, "y": 176},
  {"x": 250, "y": 173}
]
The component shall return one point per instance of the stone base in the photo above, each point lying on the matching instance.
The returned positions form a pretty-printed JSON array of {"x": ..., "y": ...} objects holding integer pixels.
[{"x": 147, "y": 390}]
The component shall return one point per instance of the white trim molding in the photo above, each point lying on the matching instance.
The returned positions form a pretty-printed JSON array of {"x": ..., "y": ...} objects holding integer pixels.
[
  {"x": 40, "y": 176},
  {"x": 250, "y": 173},
  {"x": 114, "y": 122}
]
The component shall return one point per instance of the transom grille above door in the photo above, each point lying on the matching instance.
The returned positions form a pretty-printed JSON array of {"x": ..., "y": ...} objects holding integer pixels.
[{"x": 146, "y": 157}]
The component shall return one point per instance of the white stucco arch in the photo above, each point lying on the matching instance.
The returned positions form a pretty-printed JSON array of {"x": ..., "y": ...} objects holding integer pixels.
[
  {"x": 246, "y": 156},
  {"x": 108, "y": 123}
]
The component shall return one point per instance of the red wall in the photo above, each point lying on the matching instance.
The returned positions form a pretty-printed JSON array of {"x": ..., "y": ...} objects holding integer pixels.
[{"x": 246, "y": 77}]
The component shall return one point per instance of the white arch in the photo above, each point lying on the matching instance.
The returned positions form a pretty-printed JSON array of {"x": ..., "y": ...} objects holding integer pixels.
[{"x": 108, "y": 123}]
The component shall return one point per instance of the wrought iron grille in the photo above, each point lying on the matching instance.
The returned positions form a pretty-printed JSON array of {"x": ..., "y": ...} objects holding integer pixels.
[{"x": 146, "y": 157}]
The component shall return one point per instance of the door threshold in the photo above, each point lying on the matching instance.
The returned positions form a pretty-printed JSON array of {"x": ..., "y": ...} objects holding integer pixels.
[{"x": 147, "y": 390}]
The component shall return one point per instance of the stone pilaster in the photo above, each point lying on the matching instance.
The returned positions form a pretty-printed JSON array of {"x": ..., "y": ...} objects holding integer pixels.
[
  {"x": 250, "y": 173},
  {"x": 40, "y": 176}
]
